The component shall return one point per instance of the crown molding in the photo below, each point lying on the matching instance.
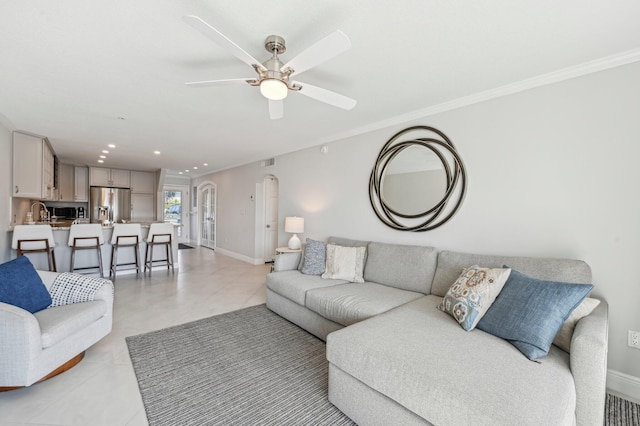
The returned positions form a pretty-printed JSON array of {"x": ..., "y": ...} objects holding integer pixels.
[{"x": 564, "y": 74}]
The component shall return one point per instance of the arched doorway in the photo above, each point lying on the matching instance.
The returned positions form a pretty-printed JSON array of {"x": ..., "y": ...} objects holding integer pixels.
[{"x": 207, "y": 215}]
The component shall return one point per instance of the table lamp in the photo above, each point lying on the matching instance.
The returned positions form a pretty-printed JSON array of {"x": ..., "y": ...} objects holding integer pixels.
[{"x": 294, "y": 225}]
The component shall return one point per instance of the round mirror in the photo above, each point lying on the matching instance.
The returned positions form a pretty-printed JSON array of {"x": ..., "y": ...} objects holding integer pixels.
[
  {"x": 419, "y": 183},
  {"x": 414, "y": 181}
]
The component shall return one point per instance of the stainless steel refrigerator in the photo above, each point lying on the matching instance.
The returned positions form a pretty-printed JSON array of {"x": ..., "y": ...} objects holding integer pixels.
[{"x": 109, "y": 205}]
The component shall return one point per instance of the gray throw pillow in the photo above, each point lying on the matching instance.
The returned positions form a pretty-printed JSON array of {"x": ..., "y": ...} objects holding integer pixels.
[{"x": 315, "y": 253}]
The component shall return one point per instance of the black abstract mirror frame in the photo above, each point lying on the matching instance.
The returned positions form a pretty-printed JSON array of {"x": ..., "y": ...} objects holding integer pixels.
[{"x": 456, "y": 180}]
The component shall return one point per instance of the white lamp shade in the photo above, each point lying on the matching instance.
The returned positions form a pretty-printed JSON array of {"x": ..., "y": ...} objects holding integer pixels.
[
  {"x": 273, "y": 89},
  {"x": 294, "y": 225}
]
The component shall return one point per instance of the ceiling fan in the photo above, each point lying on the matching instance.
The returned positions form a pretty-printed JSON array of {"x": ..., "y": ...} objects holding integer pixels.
[{"x": 274, "y": 77}]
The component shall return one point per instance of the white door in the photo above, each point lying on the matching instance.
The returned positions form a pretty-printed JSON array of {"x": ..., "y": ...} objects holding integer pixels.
[
  {"x": 176, "y": 208},
  {"x": 270, "y": 217},
  {"x": 207, "y": 215}
]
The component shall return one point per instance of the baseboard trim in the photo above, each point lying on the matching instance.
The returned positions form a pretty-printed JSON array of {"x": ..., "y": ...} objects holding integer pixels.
[
  {"x": 239, "y": 256},
  {"x": 623, "y": 384}
]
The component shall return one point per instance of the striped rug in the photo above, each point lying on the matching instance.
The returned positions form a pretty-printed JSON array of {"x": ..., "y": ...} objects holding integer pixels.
[
  {"x": 620, "y": 412},
  {"x": 246, "y": 367},
  {"x": 251, "y": 367}
]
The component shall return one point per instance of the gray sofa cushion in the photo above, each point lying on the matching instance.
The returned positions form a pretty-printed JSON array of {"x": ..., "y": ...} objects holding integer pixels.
[
  {"x": 419, "y": 369},
  {"x": 294, "y": 285},
  {"x": 346, "y": 242},
  {"x": 401, "y": 266},
  {"x": 60, "y": 322},
  {"x": 347, "y": 304},
  {"x": 450, "y": 266}
]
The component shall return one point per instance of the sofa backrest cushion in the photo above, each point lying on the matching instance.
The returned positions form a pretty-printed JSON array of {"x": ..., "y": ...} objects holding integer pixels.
[
  {"x": 346, "y": 242},
  {"x": 401, "y": 266},
  {"x": 450, "y": 265}
]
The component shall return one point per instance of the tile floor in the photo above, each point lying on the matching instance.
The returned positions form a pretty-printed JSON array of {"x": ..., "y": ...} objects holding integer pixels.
[{"x": 102, "y": 389}]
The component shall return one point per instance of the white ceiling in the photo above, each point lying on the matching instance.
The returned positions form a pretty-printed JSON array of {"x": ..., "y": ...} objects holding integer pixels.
[{"x": 89, "y": 73}]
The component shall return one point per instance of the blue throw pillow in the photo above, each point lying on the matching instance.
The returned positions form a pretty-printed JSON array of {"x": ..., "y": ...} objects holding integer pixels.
[
  {"x": 529, "y": 312},
  {"x": 315, "y": 257},
  {"x": 21, "y": 286}
]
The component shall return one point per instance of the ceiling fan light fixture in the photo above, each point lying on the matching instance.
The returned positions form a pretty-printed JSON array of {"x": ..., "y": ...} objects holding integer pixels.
[{"x": 273, "y": 89}]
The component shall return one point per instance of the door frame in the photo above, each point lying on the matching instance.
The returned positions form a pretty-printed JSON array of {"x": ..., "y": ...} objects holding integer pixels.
[
  {"x": 198, "y": 214},
  {"x": 184, "y": 209}
]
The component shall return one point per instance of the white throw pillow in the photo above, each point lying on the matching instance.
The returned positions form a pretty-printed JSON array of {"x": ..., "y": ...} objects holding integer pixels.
[
  {"x": 345, "y": 263},
  {"x": 563, "y": 338}
]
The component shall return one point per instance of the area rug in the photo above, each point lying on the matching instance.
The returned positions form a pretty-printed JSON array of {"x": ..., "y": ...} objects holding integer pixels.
[
  {"x": 620, "y": 412},
  {"x": 182, "y": 246},
  {"x": 245, "y": 367}
]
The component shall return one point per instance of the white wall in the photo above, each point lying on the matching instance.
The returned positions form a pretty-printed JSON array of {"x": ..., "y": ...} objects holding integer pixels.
[
  {"x": 552, "y": 172},
  {"x": 5, "y": 190}
]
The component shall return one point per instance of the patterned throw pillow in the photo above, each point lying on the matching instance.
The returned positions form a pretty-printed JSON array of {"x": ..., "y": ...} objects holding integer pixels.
[
  {"x": 71, "y": 288},
  {"x": 314, "y": 257},
  {"x": 472, "y": 294},
  {"x": 345, "y": 263}
]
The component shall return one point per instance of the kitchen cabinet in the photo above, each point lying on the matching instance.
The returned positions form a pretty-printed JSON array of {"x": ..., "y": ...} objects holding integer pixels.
[
  {"x": 81, "y": 184},
  {"x": 32, "y": 167},
  {"x": 142, "y": 182},
  {"x": 142, "y": 208},
  {"x": 102, "y": 176},
  {"x": 64, "y": 190}
]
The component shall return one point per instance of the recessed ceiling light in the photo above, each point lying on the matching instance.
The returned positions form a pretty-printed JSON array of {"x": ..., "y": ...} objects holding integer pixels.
[
  {"x": 179, "y": 173},
  {"x": 104, "y": 151},
  {"x": 156, "y": 152},
  {"x": 100, "y": 161},
  {"x": 205, "y": 164},
  {"x": 187, "y": 170},
  {"x": 103, "y": 156},
  {"x": 111, "y": 145},
  {"x": 195, "y": 167}
]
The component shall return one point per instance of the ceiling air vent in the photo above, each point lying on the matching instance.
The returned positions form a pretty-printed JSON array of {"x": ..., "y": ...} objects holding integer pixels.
[{"x": 268, "y": 162}]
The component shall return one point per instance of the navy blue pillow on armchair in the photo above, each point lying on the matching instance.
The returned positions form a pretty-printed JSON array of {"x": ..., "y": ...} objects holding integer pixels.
[
  {"x": 21, "y": 286},
  {"x": 529, "y": 312}
]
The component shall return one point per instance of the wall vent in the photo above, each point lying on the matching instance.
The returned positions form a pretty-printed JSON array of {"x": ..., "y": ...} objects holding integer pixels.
[{"x": 269, "y": 162}]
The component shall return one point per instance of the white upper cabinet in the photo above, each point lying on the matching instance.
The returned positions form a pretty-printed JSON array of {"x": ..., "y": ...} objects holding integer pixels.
[
  {"x": 102, "y": 176},
  {"x": 64, "y": 189},
  {"x": 32, "y": 167},
  {"x": 81, "y": 184},
  {"x": 142, "y": 182}
]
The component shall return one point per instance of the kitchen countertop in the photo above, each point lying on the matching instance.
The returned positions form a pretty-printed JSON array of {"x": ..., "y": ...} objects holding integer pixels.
[{"x": 66, "y": 225}]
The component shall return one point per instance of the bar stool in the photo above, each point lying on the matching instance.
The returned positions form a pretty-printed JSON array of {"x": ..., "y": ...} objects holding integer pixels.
[
  {"x": 86, "y": 236},
  {"x": 160, "y": 234},
  {"x": 35, "y": 239},
  {"x": 125, "y": 235}
]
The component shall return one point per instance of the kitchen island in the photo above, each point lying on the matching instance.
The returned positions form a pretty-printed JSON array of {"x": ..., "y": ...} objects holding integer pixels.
[{"x": 85, "y": 258}]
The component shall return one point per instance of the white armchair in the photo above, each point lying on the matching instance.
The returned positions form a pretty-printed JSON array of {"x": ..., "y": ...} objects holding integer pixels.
[{"x": 35, "y": 347}]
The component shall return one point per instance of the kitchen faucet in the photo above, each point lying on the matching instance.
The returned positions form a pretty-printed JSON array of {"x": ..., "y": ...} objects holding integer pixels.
[{"x": 47, "y": 217}]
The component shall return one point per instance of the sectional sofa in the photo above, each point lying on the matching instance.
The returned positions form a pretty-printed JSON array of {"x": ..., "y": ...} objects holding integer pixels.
[{"x": 395, "y": 358}]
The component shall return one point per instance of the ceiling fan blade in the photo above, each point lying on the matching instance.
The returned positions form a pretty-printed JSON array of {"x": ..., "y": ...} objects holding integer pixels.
[
  {"x": 220, "y": 82},
  {"x": 323, "y": 50},
  {"x": 276, "y": 109},
  {"x": 326, "y": 96},
  {"x": 221, "y": 40}
]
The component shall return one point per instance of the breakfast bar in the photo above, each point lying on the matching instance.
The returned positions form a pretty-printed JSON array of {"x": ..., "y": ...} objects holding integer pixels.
[{"x": 88, "y": 258}]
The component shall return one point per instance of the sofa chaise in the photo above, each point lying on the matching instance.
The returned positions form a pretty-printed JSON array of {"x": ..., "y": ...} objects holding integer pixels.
[{"x": 395, "y": 358}]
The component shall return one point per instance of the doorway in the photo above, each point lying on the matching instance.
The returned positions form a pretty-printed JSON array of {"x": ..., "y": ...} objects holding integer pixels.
[
  {"x": 207, "y": 216},
  {"x": 175, "y": 203},
  {"x": 271, "y": 193}
]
